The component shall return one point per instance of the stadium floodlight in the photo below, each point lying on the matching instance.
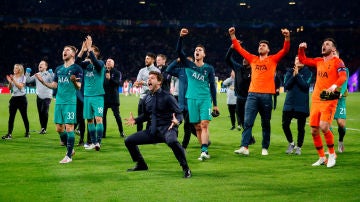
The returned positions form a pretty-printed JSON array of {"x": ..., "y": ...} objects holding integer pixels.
[{"x": 291, "y": 2}]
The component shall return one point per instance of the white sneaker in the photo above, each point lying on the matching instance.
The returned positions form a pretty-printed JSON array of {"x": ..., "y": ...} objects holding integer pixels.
[
  {"x": 298, "y": 150},
  {"x": 66, "y": 159},
  {"x": 97, "y": 147},
  {"x": 86, "y": 145},
  {"x": 203, "y": 156},
  {"x": 90, "y": 147},
  {"x": 264, "y": 152},
  {"x": 242, "y": 150},
  {"x": 341, "y": 147},
  {"x": 290, "y": 148},
  {"x": 331, "y": 160},
  {"x": 321, "y": 161}
]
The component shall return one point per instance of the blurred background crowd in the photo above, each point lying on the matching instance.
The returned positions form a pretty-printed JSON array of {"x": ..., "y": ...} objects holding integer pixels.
[{"x": 125, "y": 30}]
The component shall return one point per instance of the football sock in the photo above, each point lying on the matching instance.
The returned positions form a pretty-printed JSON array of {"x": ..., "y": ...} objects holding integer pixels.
[
  {"x": 99, "y": 131},
  {"x": 204, "y": 148},
  {"x": 318, "y": 145},
  {"x": 70, "y": 142},
  {"x": 342, "y": 131},
  {"x": 63, "y": 137},
  {"x": 329, "y": 138},
  {"x": 92, "y": 132}
]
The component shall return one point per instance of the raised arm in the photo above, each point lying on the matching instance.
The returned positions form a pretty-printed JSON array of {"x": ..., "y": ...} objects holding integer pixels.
[
  {"x": 171, "y": 69},
  {"x": 179, "y": 49},
  {"x": 249, "y": 57},
  {"x": 286, "y": 47},
  {"x": 302, "y": 57}
]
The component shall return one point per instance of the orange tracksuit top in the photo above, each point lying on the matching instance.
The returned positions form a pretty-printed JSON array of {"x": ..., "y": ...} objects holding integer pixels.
[
  {"x": 327, "y": 72},
  {"x": 262, "y": 71}
]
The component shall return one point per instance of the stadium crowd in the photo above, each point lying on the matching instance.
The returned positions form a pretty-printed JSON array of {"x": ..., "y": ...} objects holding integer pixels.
[{"x": 38, "y": 30}]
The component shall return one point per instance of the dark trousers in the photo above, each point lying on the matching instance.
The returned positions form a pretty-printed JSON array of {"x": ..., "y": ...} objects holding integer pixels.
[
  {"x": 116, "y": 112},
  {"x": 257, "y": 103},
  {"x": 188, "y": 129},
  {"x": 139, "y": 126},
  {"x": 240, "y": 110},
  {"x": 18, "y": 103},
  {"x": 287, "y": 116},
  {"x": 162, "y": 135},
  {"x": 43, "y": 110},
  {"x": 81, "y": 121},
  {"x": 232, "y": 110}
]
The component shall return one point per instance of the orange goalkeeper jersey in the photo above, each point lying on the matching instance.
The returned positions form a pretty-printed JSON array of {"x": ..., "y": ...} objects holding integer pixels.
[
  {"x": 327, "y": 72},
  {"x": 262, "y": 71}
]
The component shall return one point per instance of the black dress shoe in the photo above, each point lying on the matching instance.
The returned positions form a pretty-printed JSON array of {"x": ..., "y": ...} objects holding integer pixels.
[
  {"x": 138, "y": 167},
  {"x": 187, "y": 173}
]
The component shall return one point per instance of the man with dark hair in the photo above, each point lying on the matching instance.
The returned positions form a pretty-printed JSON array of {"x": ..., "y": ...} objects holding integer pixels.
[
  {"x": 262, "y": 87},
  {"x": 161, "y": 65},
  {"x": 177, "y": 70},
  {"x": 330, "y": 74},
  {"x": 94, "y": 73},
  {"x": 201, "y": 92},
  {"x": 296, "y": 105},
  {"x": 67, "y": 80},
  {"x": 141, "y": 81},
  {"x": 161, "y": 110}
]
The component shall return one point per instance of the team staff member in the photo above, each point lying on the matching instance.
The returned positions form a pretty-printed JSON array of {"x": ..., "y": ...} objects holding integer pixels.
[
  {"x": 44, "y": 94},
  {"x": 201, "y": 92},
  {"x": 296, "y": 84},
  {"x": 161, "y": 65},
  {"x": 67, "y": 80},
  {"x": 112, "y": 101},
  {"x": 17, "y": 82},
  {"x": 242, "y": 83},
  {"x": 177, "y": 70},
  {"x": 261, "y": 89},
  {"x": 164, "y": 115},
  {"x": 330, "y": 73}
]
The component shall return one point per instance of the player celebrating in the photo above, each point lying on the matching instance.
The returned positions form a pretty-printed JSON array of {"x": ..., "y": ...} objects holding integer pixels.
[{"x": 330, "y": 73}]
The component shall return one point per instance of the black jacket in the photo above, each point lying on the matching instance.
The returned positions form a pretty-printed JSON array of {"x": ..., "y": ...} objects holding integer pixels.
[
  {"x": 111, "y": 87},
  {"x": 297, "y": 87},
  {"x": 242, "y": 75},
  {"x": 166, "y": 106}
]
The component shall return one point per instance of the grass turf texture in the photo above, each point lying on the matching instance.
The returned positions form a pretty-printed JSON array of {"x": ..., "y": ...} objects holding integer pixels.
[{"x": 31, "y": 171}]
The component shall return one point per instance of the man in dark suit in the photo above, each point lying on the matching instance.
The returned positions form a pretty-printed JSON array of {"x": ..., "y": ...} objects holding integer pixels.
[
  {"x": 162, "y": 112},
  {"x": 111, "y": 87}
]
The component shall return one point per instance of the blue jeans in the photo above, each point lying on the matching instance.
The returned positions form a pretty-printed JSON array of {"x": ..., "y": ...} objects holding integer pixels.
[{"x": 257, "y": 103}]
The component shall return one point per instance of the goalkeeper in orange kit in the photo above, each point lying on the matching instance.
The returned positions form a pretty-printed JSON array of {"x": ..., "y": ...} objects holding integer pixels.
[{"x": 330, "y": 74}]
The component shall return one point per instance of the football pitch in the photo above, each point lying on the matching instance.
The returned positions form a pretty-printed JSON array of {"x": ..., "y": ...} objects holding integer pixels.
[{"x": 30, "y": 169}]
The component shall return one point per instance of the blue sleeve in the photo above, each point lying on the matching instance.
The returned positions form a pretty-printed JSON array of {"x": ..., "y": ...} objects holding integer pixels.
[
  {"x": 180, "y": 51},
  {"x": 99, "y": 64},
  {"x": 288, "y": 80},
  {"x": 79, "y": 74},
  {"x": 230, "y": 60},
  {"x": 212, "y": 85},
  {"x": 303, "y": 79},
  {"x": 171, "y": 69}
]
